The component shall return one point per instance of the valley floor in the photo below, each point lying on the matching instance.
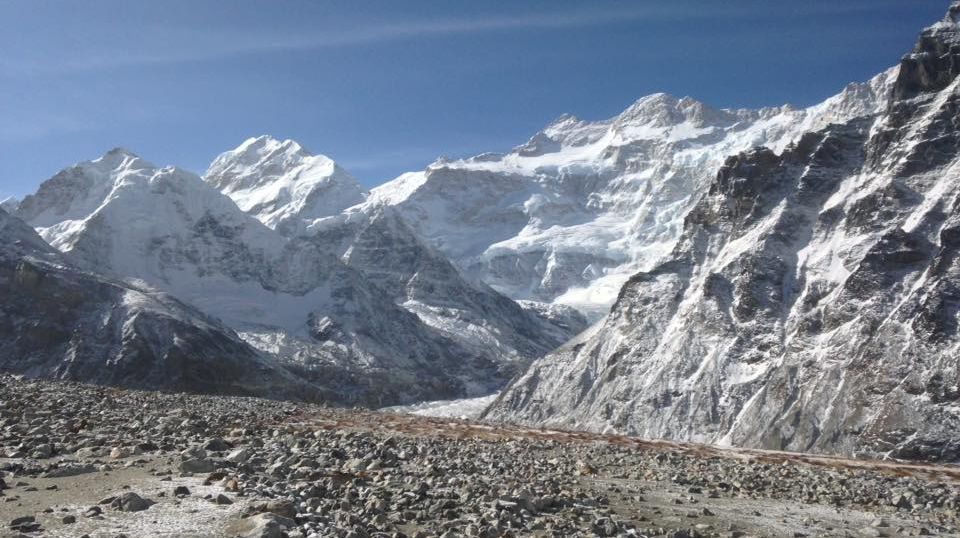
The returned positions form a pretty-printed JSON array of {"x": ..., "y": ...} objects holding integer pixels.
[{"x": 83, "y": 460}]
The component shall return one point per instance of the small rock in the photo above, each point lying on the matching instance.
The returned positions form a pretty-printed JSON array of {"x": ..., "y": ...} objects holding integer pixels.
[
  {"x": 264, "y": 526},
  {"x": 197, "y": 465},
  {"x": 21, "y": 520},
  {"x": 131, "y": 502}
]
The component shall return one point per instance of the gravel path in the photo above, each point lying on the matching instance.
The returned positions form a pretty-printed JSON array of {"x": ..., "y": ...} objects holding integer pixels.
[{"x": 80, "y": 460}]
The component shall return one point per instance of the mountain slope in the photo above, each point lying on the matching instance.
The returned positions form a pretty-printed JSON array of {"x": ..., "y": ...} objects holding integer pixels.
[
  {"x": 64, "y": 323},
  {"x": 567, "y": 217},
  {"x": 811, "y": 303}
]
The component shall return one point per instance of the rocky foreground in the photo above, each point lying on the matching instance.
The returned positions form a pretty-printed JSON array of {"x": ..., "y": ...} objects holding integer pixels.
[{"x": 79, "y": 460}]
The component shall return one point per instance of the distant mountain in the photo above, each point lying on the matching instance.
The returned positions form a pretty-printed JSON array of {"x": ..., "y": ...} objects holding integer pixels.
[
  {"x": 567, "y": 217},
  {"x": 811, "y": 302},
  {"x": 309, "y": 292},
  {"x": 65, "y": 323},
  {"x": 282, "y": 184}
]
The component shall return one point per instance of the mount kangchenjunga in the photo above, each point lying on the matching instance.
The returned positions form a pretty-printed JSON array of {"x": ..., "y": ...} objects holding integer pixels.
[
  {"x": 567, "y": 217},
  {"x": 811, "y": 303}
]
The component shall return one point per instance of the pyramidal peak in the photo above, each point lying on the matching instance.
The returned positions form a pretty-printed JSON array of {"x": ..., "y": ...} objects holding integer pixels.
[
  {"x": 118, "y": 157},
  {"x": 265, "y": 145},
  {"x": 282, "y": 184},
  {"x": 259, "y": 161}
]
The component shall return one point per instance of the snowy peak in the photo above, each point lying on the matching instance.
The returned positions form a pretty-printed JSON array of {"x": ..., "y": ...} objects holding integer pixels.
[
  {"x": 282, "y": 184},
  {"x": 119, "y": 211},
  {"x": 664, "y": 110},
  {"x": 77, "y": 191},
  {"x": 253, "y": 162}
]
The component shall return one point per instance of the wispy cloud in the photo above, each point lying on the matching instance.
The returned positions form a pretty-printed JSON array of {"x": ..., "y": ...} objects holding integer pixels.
[
  {"x": 169, "y": 44},
  {"x": 188, "y": 45}
]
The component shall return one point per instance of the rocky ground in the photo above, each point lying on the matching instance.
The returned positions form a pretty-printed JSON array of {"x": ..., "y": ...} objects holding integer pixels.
[{"x": 79, "y": 460}]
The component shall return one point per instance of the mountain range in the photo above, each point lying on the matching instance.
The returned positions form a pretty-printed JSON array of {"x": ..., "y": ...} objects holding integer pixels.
[{"x": 781, "y": 278}]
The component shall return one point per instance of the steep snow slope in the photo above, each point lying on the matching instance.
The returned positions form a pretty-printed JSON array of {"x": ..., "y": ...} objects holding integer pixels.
[
  {"x": 282, "y": 184},
  {"x": 375, "y": 241},
  {"x": 811, "y": 303},
  {"x": 568, "y": 216},
  {"x": 289, "y": 297},
  {"x": 57, "y": 321}
]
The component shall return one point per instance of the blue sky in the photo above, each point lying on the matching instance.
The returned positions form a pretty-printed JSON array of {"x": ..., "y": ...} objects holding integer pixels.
[{"x": 385, "y": 87}]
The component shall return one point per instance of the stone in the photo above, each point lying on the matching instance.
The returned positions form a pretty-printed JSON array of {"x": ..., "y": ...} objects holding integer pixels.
[
  {"x": 16, "y": 522},
  {"x": 131, "y": 502},
  {"x": 197, "y": 465},
  {"x": 216, "y": 444},
  {"x": 239, "y": 455},
  {"x": 69, "y": 470},
  {"x": 263, "y": 526},
  {"x": 281, "y": 508}
]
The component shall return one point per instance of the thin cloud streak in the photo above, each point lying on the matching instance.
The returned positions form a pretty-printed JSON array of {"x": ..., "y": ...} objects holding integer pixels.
[{"x": 201, "y": 45}]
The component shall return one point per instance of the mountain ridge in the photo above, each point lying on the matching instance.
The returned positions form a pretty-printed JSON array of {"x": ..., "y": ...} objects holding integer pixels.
[{"x": 809, "y": 305}]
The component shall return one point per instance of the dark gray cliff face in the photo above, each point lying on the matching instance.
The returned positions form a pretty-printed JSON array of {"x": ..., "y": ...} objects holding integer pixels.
[
  {"x": 61, "y": 322},
  {"x": 811, "y": 303}
]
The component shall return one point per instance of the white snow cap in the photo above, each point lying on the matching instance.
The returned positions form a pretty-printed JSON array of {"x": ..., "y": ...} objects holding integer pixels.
[{"x": 282, "y": 184}]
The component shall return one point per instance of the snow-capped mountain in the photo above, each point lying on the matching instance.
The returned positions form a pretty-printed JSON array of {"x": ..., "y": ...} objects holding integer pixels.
[
  {"x": 317, "y": 302},
  {"x": 567, "y": 217},
  {"x": 282, "y": 184},
  {"x": 811, "y": 303},
  {"x": 61, "y": 322}
]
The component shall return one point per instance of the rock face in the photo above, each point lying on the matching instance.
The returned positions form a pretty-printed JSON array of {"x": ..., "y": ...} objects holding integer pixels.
[
  {"x": 567, "y": 217},
  {"x": 65, "y": 323},
  {"x": 811, "y": 303},
  {"x": 352, "y": 301}
]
